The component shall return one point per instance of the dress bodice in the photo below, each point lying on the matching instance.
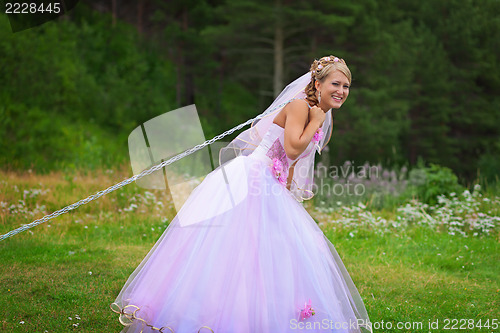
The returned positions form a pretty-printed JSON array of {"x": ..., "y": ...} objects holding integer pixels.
[
  {"x": 272, "y": 144},
  {"x": 271, "y": 150}
]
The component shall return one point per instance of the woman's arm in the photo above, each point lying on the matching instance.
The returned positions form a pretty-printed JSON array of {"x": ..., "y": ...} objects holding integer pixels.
[{"x": 300, "y": 126}]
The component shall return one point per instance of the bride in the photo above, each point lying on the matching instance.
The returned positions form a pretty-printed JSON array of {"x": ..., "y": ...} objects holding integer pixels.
[{"x": 242, "y": 254}]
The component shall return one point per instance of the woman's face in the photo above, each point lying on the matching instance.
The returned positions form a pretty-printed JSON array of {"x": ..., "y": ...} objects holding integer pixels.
[{"x": 334, "y": 90}]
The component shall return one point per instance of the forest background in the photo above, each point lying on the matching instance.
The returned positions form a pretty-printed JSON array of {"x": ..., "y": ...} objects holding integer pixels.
[{"x": 426, "y": 77}]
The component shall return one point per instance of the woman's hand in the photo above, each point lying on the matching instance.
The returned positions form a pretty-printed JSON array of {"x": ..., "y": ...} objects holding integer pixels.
[{"x": 316, "y": 114}]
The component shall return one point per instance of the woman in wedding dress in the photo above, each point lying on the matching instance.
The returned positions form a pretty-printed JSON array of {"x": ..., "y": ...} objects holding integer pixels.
[{"x": 242, "y": 254}]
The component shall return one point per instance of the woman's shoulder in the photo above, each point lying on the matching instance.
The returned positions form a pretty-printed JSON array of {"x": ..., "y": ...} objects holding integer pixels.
[
  {"x": 300, "y": 103},
  {"x": 296, "y": 111},
  {"x": 297, "y": 107}
]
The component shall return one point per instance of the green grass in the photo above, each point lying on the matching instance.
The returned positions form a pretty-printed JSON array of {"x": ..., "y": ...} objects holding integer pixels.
[
  {"x": 76, "y": 267},
  {"x": 421, "y": 275}
]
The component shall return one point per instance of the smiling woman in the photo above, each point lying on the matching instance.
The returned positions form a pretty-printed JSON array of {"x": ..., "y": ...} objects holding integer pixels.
[
  {"x": 330, "y": 76},
  {"x": 261, "y": 263},
  {"x": 332, "y": 80}
]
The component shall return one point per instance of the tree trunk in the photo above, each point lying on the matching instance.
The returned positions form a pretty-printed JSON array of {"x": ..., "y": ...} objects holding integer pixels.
[
  {"x": 140, "y": 12},
  {"x": 113, "y": 12},
  {"x": 278, "y": 50},
  {"x": 180, "y": 76},
  {"x": 188, "y": 74}
]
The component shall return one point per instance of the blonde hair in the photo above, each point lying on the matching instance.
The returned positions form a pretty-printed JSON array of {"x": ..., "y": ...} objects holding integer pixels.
[{"x": 320, "y": 70}]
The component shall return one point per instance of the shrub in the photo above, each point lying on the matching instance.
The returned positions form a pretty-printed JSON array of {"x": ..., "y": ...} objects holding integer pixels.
[{"x": 427, "y": 183}]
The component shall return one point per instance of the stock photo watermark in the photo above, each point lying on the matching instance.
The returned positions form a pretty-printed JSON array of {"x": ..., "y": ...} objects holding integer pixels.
[
  {"x": 447, "y": 324},
  {"x": 332, "y": 181},
  {"x": 28, "y": 14}
]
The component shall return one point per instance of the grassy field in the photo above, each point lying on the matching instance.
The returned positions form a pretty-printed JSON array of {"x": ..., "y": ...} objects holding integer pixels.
[{"x": 61, "y": 276}]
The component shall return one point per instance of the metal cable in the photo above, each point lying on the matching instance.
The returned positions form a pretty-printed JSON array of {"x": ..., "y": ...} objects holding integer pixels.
[{"x": 133, "y": 178}]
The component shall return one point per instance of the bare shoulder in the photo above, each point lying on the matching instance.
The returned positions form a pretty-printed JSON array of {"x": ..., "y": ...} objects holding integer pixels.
[
  {"x": 298, "y": 108},
  {"x": 297, "y": 111},
  {"x": 298, "y": 104}
]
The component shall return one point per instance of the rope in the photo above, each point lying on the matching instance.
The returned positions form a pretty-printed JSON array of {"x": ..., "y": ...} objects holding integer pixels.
[{"x": 133, "y": 178}]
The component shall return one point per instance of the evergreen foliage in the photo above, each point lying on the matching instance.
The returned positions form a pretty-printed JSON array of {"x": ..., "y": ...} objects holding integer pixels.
[{"x": 426, "y": 77}]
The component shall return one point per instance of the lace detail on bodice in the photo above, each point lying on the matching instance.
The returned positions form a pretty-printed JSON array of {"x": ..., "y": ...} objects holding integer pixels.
[
  {"x": 280, "y": 161},
  {"x": 277, "y": 151}
]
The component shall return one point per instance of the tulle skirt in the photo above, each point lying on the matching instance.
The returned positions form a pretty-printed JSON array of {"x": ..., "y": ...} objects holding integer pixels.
[{"x": 241, "y": 255}]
